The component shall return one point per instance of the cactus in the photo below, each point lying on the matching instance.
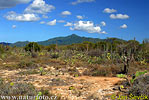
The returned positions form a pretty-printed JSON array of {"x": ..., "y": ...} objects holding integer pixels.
[
  {"x": 131, "y": 81},
  {"x": 109, "y": 56},
  {"x": 138, "y": 74}
]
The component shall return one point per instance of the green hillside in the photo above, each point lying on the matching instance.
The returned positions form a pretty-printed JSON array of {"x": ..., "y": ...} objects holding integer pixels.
[{"x": 66, "y": 40}]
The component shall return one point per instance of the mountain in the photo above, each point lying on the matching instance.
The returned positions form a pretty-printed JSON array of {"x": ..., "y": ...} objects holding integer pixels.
[
  {"x": 4, "y": 43},
  {"x": 59, "y": 40},
  {"x": 65, "y": 40},
  {"x": 68, "y": 40},
  {"x": 20, "y": 44}
]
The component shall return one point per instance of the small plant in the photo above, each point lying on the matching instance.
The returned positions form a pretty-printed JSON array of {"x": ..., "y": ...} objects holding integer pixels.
[
  {"x": 11, "y": 84},
  {"x": 3, "y": 56},
  {"x": 55, "y": 55},
  {"x": 76, "y": 75},
  {"x": 143, "y": 62},
  {"x": 90, "y": 61},
  {"x": 109, "y": 56},
  {"x": 39, "y": 94},
  {"x": 121, "y": 75},
  {"x": 41, "y": 53},
  {"x": 71, "y": 88},
  {"x": 41, "y": 71},
  {"x": 1, "y": 81}
]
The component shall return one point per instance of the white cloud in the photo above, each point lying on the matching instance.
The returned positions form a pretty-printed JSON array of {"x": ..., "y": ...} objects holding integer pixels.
[
  {"x": 61, "y": 21},
  {"x": 13, "y": 16},
  {"x": 11, "y": 3},
  {"x": 108, "y": 10},
  {"x": 103, "y": 23},
  {"x": 14, "y": 26},
  {"x": 68, "y": 24},
  {"x": 45, "y": 16},
  {"x": 103, "y": 32},
  {"x": 124, "y": 26},
  {"x": 52, "y": 23},
  {"x": 39, "y": 6},
  {"x": 42, "y": 22},
  {"x": 119, "y": 16},
  {"x": 79, "y": 17},
  {"x": 81, "y": 1},
  {"x": 65, "y": 13},
  {"x": 86, "y": 26}
]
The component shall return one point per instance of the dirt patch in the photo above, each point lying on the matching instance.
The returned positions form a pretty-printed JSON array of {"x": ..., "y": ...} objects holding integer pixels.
[{"x": 84, "y": 87}]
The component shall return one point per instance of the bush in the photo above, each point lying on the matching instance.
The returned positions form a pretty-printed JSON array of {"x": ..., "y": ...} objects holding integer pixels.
[
  {"x": 49, "y": 94},
  {"x": 32, "y": 47},
  {"x": 101, "y": 72},
  {"x": 26, "y": 64},
  {"x": 67, "y": 54},
  {"x": 17, "y": 89},
  {"x": 55, "y": 55},
  {"x": 1, "y": 49},
  {"x": 34, "y": 55},
  {"x": 52, "y": 47},
  {"x": 94, "y": 53},
  {"x": 28, "y": 72},
  {"x": 140, "y": 86}
]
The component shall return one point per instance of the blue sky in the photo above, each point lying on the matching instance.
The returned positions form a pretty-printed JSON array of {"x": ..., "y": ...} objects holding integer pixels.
[{"x": 38, "y": 20}]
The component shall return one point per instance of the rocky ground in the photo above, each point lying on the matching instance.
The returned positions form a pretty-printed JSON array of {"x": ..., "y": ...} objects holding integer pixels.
[{"x": 60, "y": 82}]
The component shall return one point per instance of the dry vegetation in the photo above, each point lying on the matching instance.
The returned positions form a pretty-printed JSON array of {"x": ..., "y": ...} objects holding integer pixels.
[{"x": 84, "y": 71}]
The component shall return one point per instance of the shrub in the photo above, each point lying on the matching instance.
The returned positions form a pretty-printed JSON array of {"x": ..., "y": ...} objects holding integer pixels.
[
  {"x": 26, "y": 64},
  {"x": 42, "y": 72},
  {"x": 28, "y": 72},
  {"x": 67, "y": 54},
  {"x": 34, "y": 55},
  {"x": 52, "y": 47},
  {"x": 17, "y": 89},
  {"x": 32, "y": 47},
  {"x": 44, "y": 92},
  {"x": 55, "y": 55},
  {"x": 140, "y": 86},
  {"x": 71, "y": 88},
  {"x": 139, "y": 83},
  {"x": 1, "y": 49},
  {"x": 94, "y": 53},
  {"x": 100, "y": 72},
  {"x": 138, "y": 74}
]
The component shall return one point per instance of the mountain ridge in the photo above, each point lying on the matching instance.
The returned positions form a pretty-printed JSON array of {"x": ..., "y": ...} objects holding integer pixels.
[{"x": 67, "y": 40}]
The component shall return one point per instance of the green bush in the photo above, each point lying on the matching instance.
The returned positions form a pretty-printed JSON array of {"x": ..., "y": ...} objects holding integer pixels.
[
  {"x": 55, "y": 55},
  {"x": 32, "y": 47}
]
